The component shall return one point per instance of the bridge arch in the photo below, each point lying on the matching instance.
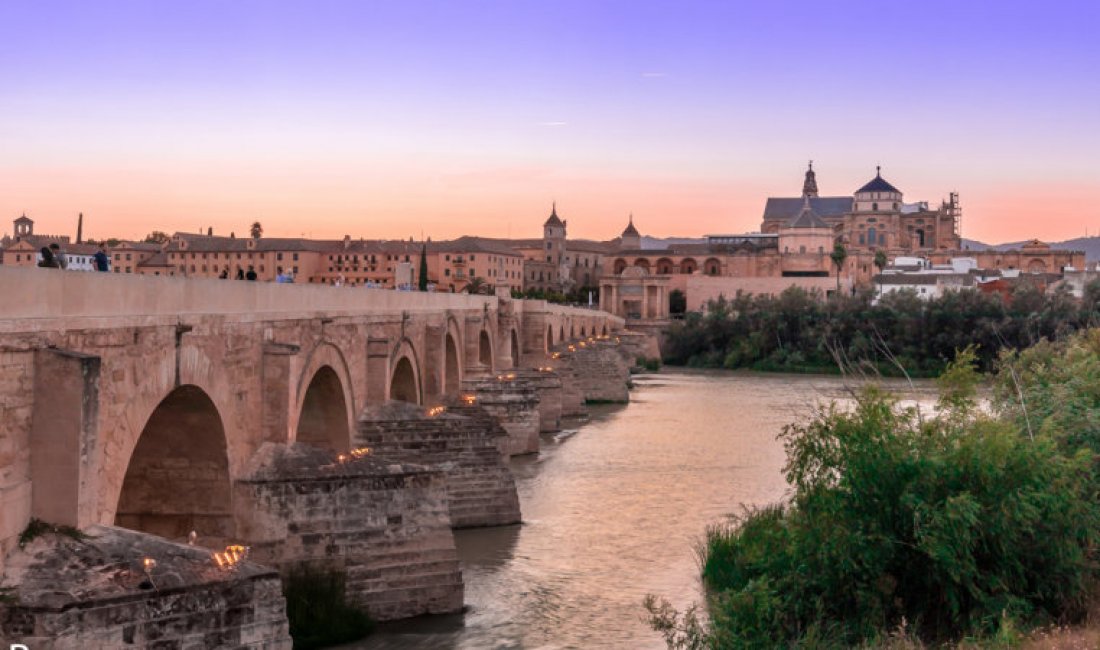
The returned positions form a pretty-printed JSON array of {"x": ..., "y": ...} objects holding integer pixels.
[
  {"x": 561, "y": 334},
  {"x": 177, "y": 479},
  {"x": 516, "y": 351},
  {"x": 324, "y": 401},
  {"x": 485, "y": 349},
  {"x": 604, "y": 331},
  {"x": 583, "y": 335},
  {"x": 405, "y": 374},
  {"x": 323, "y": 414},
  {"x": 452, "y": 360},
  {"x": 549, "y": 337}
]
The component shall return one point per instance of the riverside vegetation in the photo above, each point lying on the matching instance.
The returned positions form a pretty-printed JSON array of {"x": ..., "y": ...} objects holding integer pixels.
[
  {"x": 968, "y": 527},
  {"x": 799, "y": 331}
]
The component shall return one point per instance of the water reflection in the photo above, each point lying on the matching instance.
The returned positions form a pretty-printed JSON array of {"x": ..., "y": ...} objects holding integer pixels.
[{"x": 615, "y": 512}]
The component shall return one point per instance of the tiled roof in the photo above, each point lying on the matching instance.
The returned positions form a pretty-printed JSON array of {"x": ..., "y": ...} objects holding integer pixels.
[
  {"x": 158, "y": 260},
  {"x": 786, "y": 208},
  {"x": 807, "y": 218},
  {"x": 878, "y": 184}
]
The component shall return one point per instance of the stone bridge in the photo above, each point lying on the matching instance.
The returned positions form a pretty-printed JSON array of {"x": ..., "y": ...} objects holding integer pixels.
[{"x": 109, "y": 382}]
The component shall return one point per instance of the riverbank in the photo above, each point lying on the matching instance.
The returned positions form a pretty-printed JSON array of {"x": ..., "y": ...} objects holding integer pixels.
[{"x": 971, "y": 522}]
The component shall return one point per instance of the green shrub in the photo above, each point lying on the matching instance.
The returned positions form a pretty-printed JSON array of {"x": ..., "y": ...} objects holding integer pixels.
[
  {"x": 317, "y": 611},
  {"x": 953, "y": 524}
]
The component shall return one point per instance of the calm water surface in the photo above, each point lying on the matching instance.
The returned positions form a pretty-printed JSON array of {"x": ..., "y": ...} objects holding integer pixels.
[{"x": 615, "y": 510}]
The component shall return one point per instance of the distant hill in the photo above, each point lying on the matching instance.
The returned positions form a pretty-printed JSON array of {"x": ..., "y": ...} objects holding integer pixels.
[{"x": 1091, "y": 246}]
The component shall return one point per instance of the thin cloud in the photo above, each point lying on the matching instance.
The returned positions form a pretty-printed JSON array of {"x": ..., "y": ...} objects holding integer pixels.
[
  {"x": 552, "y": 123},
  {"x": 654, "y": 74}
]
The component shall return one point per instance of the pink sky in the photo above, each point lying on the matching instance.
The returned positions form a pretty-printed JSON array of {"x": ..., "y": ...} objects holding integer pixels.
[{"x": 391, "y": 120}]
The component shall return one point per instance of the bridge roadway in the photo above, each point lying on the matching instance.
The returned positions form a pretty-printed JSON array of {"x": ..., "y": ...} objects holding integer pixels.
[{"x": 135, "y": 400}]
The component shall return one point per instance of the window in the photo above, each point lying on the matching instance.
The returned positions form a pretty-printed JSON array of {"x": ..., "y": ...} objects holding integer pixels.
[
  {"x": 447, "y": 272},
  {"x": 295, "y": 258},
  {"x": 874, "y": 207},
  {"x": 801, "y": 249},
  {"x": 279, "y": 257},
  {"x": 548, "y": 245}
]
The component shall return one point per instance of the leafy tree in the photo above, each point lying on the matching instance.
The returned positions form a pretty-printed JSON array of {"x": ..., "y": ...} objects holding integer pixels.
[
  {"x": 838, "y": 256},
  {"x": 156, "y": 237},
  {"x": 256, "y": 230}
]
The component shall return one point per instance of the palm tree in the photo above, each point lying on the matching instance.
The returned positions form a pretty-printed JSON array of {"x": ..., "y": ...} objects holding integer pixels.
[
  {"x": 475, "y": 285},
  {"x": 880, "y": 263},
  {"x": 838, "y": 256},
  {"x": 256, "y": 229}
]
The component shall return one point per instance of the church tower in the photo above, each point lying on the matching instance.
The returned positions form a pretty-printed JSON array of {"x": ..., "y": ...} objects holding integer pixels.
[
  {"x": 553, "y": 236},
  {"x": 631, "y": 238},
  {"x": 809, "y": 186}
]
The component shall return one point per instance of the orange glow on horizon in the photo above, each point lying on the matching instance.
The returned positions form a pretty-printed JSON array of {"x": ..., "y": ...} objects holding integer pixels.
[{"x": 506, "y": 203}]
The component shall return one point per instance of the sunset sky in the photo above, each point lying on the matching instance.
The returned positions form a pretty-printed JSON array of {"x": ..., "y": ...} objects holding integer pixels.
[{"x": 396, "y": 119}]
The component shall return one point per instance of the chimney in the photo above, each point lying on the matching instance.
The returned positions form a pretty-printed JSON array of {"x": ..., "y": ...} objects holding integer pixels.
[
  {"x": 80, "y": 229},
  {"x": 347, "y": 242}
]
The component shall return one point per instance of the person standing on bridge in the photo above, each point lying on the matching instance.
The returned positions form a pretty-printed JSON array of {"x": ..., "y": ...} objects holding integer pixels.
[
  {"x": 251, "y": 275},
  {"x": 59, "y": 256},
  {"x": 102, "y": 261}
]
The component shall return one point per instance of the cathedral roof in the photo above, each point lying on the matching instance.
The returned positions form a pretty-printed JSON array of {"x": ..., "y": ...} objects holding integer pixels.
[
  {"x": 807, "y": 218},
  {"x": 553, "y": 220},
  {"x": 878, "y": 184},
  {"x": 24, "y": 219},
  {"x": 787, "y": 208}
]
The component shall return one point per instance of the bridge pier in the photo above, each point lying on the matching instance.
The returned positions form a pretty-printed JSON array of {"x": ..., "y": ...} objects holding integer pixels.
[
  {"x": 117, "y": 588},
  {"x": 514, "y": 404},
  {"x": 458, "y": 441},
  {"x": 385, "y": 525}
]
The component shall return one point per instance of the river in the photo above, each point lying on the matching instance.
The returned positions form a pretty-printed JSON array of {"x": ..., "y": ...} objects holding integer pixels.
[{"x": 615, "y": 511}]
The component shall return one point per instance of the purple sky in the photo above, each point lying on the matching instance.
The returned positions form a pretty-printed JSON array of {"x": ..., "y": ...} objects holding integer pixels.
[{"x": 388, "y": 119}]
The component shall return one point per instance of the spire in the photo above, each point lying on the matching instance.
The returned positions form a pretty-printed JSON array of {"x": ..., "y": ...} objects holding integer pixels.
[
  {"x": 878, "y": 171},
  {"x": 809, "y": 186},
  {"x": 553, "y": 220},
  {"x": 630, "y": 230},
  {"x": 80, "y": 228}
]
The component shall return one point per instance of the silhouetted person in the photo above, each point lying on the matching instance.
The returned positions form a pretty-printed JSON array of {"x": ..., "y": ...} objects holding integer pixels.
[
  {"x": 48, "y": 261},
  {"x": 59, "y": 255},
  {"x": 102, "y": 262},
  {"x": 225, "y": 274},
  {"x": 251, "y": 275},
  {"x": 240, "y": 273}
]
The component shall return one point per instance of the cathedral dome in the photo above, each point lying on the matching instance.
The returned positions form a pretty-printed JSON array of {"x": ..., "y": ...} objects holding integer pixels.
[{"x": 878, "y": 184}]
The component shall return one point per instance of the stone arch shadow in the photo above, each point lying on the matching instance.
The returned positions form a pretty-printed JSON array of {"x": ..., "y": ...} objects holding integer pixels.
[
  {"x": 324, "y": 402},
  {"x": 177, "y": 478},
  {"x": 404, "y": 381}
]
